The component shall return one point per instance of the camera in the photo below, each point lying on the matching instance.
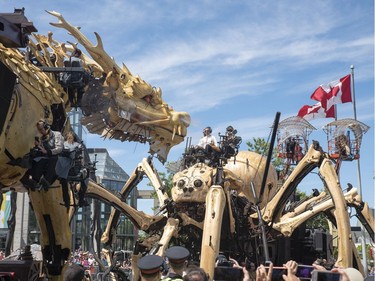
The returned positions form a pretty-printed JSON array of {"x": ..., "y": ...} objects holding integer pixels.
[
  {"x": 223, "y": 273},
  {"x": 318, "y": 275},
  {"x": 223, "y": 261},
  {"x": 304, "y": 271}
]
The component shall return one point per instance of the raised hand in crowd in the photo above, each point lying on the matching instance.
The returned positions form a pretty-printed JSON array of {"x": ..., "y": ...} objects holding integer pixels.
[
  {"x": 344, "y": 276},
  {"x": 262, "y": 274},
  {"x": 291, "y": 267},
  {"x": 319, "y": 267},
  {"x": 246, "y": 275}
]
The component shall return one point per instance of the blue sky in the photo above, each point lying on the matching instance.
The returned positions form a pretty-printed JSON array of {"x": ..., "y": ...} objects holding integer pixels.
[{"x": 233, "y": 63}]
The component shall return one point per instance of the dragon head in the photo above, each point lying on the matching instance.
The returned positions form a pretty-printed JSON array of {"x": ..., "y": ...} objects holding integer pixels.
[{"x": 116, "y": 104}]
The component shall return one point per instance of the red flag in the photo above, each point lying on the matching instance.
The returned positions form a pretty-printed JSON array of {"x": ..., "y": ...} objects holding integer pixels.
[
  {"x": 316, "y": 111},
  {"x": 338, "y": 91}
]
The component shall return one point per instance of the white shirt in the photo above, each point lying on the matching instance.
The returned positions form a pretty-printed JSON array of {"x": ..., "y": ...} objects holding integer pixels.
[
  {"x": 91, "y": 261},
  {"x": 71, "y": 146},
  {"x": 207, "y": 140}
]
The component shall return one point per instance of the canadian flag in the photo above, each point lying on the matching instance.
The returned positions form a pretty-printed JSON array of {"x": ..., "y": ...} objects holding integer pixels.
[
  {"x": 316, "y": 111},
  {"x": 338, "y": 91}
]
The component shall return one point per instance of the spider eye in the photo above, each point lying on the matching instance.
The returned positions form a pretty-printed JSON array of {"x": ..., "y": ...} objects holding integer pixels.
[
  {"x": 181, "y": 183},
  {"x": 198, "y": 183}
]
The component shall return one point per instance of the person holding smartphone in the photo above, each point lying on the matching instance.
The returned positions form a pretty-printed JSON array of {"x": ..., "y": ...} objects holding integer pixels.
[
  {"x": 346, "y": 274},
  {"x": 273, "y": 273},
  {"x": 291, "y": 267},
  {"x": 246, "y": 274},
  {"x": 263, "y": 274}
]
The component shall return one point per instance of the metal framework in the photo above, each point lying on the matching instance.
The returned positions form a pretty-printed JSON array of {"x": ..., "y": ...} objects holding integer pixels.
[
  {"x": 296, "y": 128},
  {"x": 345, "y": 138}
]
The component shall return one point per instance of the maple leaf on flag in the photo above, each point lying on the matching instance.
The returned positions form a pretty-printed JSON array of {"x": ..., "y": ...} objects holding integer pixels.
[
  {"x": 316, "y": 111},
  {"x": 335, "y": 92}
]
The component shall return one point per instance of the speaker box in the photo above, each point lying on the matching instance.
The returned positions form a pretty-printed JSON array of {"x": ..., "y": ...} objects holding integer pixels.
[{"x": 24, "y": 270}]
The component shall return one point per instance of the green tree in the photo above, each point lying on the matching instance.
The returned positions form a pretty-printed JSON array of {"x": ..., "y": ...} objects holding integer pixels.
[
  {"x": 166, "y": 179},
  {"x": 369, "y": 253},
  {"x": 260, "y": 146},
  {"x": 168, "y": 182}
]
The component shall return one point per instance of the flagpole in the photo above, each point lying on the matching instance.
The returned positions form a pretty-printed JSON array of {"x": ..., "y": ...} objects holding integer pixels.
[
  {"x": 363, "y": 242},
  {"x": 353, "y": 93}
]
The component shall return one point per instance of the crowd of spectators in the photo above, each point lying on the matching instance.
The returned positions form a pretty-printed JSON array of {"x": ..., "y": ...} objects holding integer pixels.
[
  {"x": 86, "y": 259},
  {"x": 150, "y": 270},
  {"x": 176, "y": 265},
  {"x": 90, "y": 264}
]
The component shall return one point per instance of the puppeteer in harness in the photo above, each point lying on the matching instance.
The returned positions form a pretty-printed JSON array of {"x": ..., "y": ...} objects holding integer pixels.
[{"x": 45, "y": 155}]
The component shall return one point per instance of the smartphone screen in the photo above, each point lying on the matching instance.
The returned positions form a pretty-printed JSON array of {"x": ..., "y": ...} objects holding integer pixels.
[
  {"x": 304, "y": 271},
  {"x": 325, "y": 276},
  {"x": 277, "y": 273},
  {"x": 228, "y": 273}
]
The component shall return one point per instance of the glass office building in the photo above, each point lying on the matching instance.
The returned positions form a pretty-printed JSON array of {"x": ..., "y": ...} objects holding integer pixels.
[{"x": 110, "y": 175}]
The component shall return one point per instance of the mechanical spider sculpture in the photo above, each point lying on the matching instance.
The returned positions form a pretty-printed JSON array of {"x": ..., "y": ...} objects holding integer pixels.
[
  {"x": 212, "y": 209},
  {"x": 116, "y": 105}
]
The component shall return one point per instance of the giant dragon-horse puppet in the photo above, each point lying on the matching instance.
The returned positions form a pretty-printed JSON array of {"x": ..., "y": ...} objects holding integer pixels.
[{"x": 209, "y": 205}]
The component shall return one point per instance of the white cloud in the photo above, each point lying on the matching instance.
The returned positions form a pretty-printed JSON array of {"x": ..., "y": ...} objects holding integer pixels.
[{"x": 230, "y": 62}]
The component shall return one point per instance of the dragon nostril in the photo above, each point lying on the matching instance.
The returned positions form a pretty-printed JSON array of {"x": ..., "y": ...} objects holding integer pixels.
[
  {"x": 185, "y": 189},
  {"x": 191, "y": 189}
]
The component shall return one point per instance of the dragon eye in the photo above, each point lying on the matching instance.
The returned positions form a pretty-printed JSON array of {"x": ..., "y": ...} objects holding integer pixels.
[
  {"x": 181, "y": 183},
  {"x": 198, "y": 183}
]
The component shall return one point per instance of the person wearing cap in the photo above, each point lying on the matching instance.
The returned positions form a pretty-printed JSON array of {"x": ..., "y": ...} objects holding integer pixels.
[
  {"x": 230, "y": 142},
  {"x": 149, "y": 267},
  {"x": 177, "y": 258}
]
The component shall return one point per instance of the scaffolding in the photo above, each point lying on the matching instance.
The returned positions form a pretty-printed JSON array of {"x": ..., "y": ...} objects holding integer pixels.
[
  {"x": 344, "y": 138},
  {"x": 293, "y": 138}
]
